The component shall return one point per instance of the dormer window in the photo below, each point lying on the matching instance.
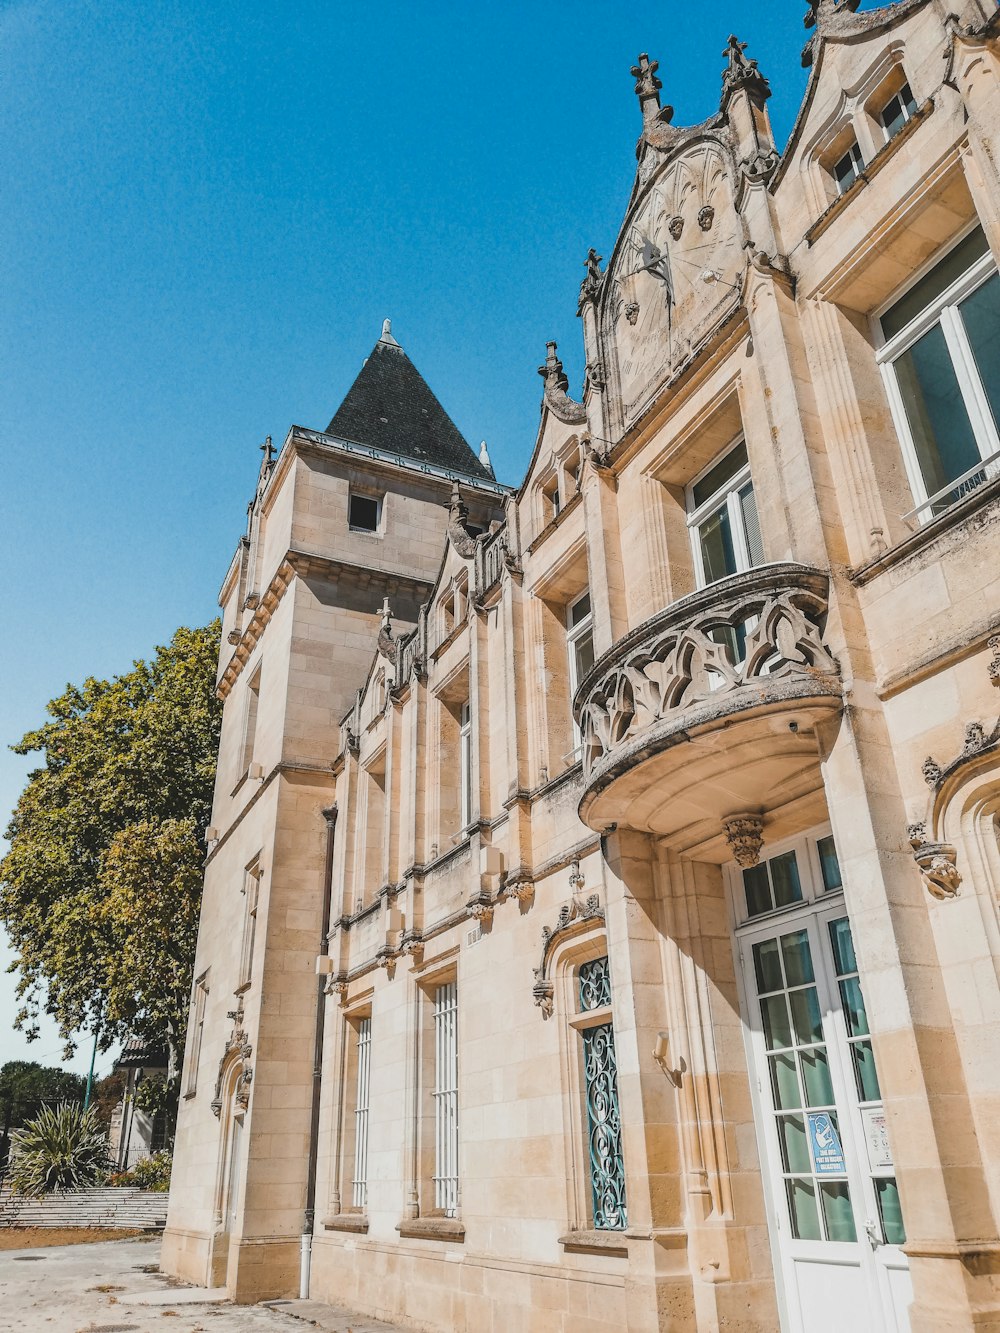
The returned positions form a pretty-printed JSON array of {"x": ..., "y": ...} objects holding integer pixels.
[
  {"x": 848, "y": 167},
  {"x": 364, "y": 513},
  {"x": 900, "y": 108}
]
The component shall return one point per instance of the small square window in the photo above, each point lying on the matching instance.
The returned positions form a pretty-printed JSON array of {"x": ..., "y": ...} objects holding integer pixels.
[
  {"x": 900, "y": 108},
  {"x": 364, "y": 513},
  {"x": 848, "y": 168}
]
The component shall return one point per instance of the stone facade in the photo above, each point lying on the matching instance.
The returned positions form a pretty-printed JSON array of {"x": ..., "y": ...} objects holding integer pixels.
[{"x": 600, "y": 923}]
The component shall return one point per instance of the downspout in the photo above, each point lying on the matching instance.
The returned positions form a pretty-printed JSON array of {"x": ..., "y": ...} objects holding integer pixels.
[{"x": 305, "y": 1255}]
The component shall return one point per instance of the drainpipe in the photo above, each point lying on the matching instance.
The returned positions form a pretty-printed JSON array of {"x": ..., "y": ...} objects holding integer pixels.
[{"x": 305, "y": 1254}]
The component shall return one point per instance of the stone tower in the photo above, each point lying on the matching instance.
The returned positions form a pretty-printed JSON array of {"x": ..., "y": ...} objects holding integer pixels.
[{"x": 345, "y": 524}]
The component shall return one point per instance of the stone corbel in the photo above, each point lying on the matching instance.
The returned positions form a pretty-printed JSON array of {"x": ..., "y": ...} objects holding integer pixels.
[
  {"x": 937, "y": 862},
  {"x": 745, "y": 835}
]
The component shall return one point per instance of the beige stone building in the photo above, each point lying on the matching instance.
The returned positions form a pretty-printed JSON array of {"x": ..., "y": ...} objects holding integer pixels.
[{"x": 601, "y": 911}]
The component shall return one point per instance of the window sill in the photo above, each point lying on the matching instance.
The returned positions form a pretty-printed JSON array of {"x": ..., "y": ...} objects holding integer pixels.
[
  {"x": 431, "y": 1228},
  {"x": 356, "y": 1222},
  {"x": 614, "y": 1243}
]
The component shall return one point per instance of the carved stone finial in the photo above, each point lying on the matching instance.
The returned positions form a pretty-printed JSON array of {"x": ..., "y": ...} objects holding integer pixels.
[
  {"x": 932, "y": 771},
  {"x": 576, "y": 876},
  {"x": 591, "y": 285},
  {"x": 742, "y": 73},
  {"x": 557, "y": 400},
  {"x": 647, "y": 85},
  {"x": 386, "y": 642},
  {"x": 458, "y": 513},
  {"x": 267, "y": 449},
  {"x": 745, "y": 835},
  {"x": 484, "y": 458}
]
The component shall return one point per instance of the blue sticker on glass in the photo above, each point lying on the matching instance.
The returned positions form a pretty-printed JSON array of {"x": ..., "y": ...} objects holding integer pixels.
[{"x": 827, "y": 1152}]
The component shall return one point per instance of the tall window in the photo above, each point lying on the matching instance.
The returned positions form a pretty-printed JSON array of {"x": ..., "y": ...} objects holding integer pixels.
[
  {"x": 359, "y": 1183},
  {"x": 580, "y": 642},
  {"x": 600, "y": 1076},
  {"x": 251, "y": 889},
  {"x": 446, "y": 1099},
  {"x": 941, "y": 364},
  {"x": 196, "y": 1031},
  {"x": 250, "y": 720},
  {"x": 722, "y": 517},
  {"x": 465, "y": 775}
]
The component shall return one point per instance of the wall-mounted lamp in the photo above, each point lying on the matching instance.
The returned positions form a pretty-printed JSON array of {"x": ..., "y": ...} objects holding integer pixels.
[{"x": 660, "y": 1051}]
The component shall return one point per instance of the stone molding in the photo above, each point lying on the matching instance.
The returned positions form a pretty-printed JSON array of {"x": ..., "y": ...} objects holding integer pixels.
[
  {"x": 572, "y": 916},
  {"x": 238, "y": 1048},
  {"x": 669, "y": 672}
]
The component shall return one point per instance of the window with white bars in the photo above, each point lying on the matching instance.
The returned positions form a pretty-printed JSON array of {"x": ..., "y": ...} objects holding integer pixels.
[
  {"x": 251, "y": 891},
  {"x": 359, "y": 1183},
  {"x": 722, "y": 518},
  {"x": 446, "y": 1099},
  {"x": 465, "y": 753}
]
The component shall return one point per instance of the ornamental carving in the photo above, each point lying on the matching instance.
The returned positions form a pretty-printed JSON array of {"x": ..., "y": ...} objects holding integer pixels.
[
  {"x": 745, "y": 835},
  {"x": 572, "y": 916},
  {"x": 706, "y": 216},
  {"x": 556, "y": 399},
  {"x": 759, "y": 631},
  {"x": 937, "y": 862},
  {"x": 458, "y": 532},
  {"x": 994, "y": 668},
  {"x": 238, "y": 1048},
  {"x": 676, "y": 226},
  {"x": 590, "y": 288}
]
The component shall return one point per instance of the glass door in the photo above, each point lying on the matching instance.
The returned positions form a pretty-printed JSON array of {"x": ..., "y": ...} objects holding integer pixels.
[{"x": 836, "y": 1221}]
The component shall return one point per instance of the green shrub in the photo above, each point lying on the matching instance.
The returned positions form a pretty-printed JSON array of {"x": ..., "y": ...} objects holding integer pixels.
[
  {"x": 149, "y": 1173},
  {"x": 63, "y": 1148}
]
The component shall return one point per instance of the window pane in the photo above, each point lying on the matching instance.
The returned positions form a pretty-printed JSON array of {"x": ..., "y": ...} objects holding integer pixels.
[
  {"x": 758, "y": 892},
  {"x": 843, "y": 946},
  {"x": 864, "y": 1072},
  {"x": 595, "y": 984},
  {"x": 798, "y": 959},
  {"x": 845, "y": 170},
  {"x": 837, "y": 1211},
  {"x": 816, "y": 1076},
  {"x": 604, "y": 1129},
  {"x": 805, "y": 1015},
  {"x": 940, "y": 278},
  {"x": 829, "y": 864},
  {"x": 580, "y": 609},
  {"x": 777, "y": 1029},
  {"x": 583, "y": 650},
  {"x": 751, "y": 526},
  {"x": 981, "y": 313},
  {"x": 943, "y": 439},
  {"x": 784, "y": 1082},
  {"x": 364, "y": 513},
  {"x": 716, "y": 477},
  {"x": 802, "y": 1207},
  {"x": 890, "y": 1212},
  {"x": 717, "y": 553},
  {"x": 785, "y": 878},
  {"x": 854, "y": 1007},
  {"x": 765, "y": 956},
  {"x": 794, "y": 1144}
]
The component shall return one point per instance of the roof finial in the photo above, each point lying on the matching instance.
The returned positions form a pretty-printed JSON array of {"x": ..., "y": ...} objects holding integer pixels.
[
  {"x": 647, "y": 86},
  {"x": 387, "y": 337},
  {"x": 742, "y": 73},
  {"x": 484, "y": 458}
]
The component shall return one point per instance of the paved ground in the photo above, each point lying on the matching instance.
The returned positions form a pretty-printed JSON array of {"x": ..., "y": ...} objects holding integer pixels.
[{"x": 116, "y": 1287}]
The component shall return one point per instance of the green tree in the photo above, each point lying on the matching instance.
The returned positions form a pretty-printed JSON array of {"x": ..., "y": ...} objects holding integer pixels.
[
  {"x": 100, "y": 889},
  {"x": 25, "y": 1087}
]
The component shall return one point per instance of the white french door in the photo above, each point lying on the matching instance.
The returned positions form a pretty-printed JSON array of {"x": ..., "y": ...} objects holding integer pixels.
[{"x": 836, "y": 1224}]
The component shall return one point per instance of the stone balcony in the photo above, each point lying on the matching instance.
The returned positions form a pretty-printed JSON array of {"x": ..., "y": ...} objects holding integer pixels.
[{"x": 710, "y": 707}]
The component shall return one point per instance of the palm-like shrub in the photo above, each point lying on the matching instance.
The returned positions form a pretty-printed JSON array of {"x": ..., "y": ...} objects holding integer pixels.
[{"x": 63, "y": 1148}]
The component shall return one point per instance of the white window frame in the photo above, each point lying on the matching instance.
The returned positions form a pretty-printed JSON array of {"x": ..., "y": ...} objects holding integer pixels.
[
  {"x": 362, "y": 1105},
  {"x": 853, "y": 151},
  {"x": 727, "y": 496},
  {"x": 196, "y": 1033},
  {"x": 574, "y": 635},
  {"x": 445, "y": 1098},
  {"x": 465, "y": 763},
  {"x": 377, "y": 500},
  {"x": 943, "y": 311},
  {"x": 251, "y": 897},
  {"x": 908, "y": 111}
]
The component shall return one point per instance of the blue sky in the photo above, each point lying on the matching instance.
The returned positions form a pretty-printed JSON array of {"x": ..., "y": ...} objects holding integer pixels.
[{"x": 209, "y": 209}]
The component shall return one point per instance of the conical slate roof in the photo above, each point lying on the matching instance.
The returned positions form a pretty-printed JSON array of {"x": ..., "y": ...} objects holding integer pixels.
[{"x": 390, "y": 406}]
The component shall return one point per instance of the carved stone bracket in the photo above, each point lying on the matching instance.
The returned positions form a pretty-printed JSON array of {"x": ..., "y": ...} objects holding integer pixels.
[
  {"x": 337, "y": 985},
  {"x": 745, "y": 835},
  {"x": 937, "y": 862},
  {"x": 572, "y": 915},
  {"x": 458, "y": 513},
  {"x": 480, "y": 907}
]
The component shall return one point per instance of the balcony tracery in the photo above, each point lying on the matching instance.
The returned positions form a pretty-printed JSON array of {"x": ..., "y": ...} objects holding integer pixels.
[{"x": 741, "y": 649}]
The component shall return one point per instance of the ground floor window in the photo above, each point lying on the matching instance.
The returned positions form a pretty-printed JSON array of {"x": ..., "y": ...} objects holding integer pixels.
[
  {"x": 600, "y": 1073},
  {"x": 446, "y": 1099}
]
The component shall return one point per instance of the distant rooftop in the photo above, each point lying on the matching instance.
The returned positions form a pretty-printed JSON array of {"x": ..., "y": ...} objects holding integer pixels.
[{"x": 390, "y": 406}]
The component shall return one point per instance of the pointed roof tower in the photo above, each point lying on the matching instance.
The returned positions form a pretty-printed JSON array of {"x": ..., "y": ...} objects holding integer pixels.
[{"x": 390, "y": 406}]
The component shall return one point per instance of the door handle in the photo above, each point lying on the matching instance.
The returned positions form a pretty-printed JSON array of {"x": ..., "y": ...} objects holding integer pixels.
[{"x": 873, "y": 1234}]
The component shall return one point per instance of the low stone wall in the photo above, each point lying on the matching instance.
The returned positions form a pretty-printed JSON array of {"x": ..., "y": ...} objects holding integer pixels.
[{"x": 127, "y": 1209}]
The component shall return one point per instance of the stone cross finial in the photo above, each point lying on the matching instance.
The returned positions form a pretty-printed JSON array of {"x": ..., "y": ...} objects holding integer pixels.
[
  {"x": 267, "y": 449},
  {"x": 552, "y": 371},
  {"x": 386, "y": 613},
  {"x": 647, "y": 87},
  {"x": 741, "y": 72},
  {"x": 591, "y": 285}
]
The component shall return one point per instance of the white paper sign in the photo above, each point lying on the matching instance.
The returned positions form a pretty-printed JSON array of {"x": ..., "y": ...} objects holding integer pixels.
[{"x": 879, "y": 1152}]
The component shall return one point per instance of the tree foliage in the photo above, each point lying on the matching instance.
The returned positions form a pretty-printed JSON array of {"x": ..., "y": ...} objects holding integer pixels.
[
  {"x": 101, "y": 887},
  {"x": 62, "y": 1148},
  {"x": 26, "y": 1086}
]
